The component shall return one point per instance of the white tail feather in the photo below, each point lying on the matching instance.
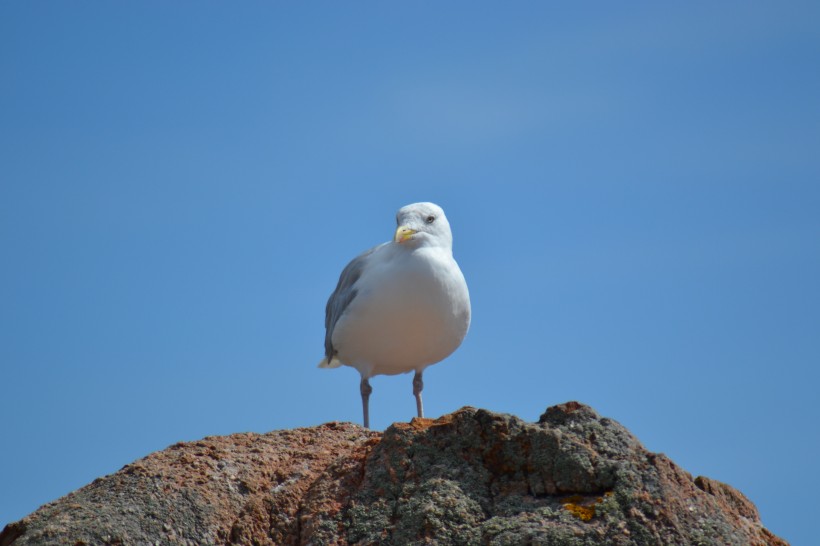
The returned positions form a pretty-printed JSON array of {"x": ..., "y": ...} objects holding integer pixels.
[{"x": 334, "y": 363}]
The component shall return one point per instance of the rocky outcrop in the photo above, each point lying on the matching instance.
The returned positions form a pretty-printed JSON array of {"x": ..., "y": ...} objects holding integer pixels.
[{"x": 470, "y": 477}]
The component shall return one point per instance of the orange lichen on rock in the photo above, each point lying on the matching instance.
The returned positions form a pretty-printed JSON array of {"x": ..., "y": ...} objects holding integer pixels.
[
  {"x": 581, "y": 508},
  {"x": 584, "y": 513},
  {"x": 419, "y": 424}
]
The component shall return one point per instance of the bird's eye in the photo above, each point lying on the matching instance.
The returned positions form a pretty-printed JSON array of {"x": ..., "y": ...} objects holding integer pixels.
[{"x": 430, "y": 219}]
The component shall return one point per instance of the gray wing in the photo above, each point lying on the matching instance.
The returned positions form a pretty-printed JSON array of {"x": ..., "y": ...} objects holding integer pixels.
[{"x": 341, "y": 297}]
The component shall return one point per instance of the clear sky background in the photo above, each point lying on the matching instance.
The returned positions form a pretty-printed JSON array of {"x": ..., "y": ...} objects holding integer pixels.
[{"x": 634, "y": 191}]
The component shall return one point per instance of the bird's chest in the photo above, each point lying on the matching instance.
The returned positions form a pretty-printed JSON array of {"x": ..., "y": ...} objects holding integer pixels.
[
  {"x": 403, "y": 318},
  {"x": 415, "y": 293},
  {"x": 414, "y": 298}
]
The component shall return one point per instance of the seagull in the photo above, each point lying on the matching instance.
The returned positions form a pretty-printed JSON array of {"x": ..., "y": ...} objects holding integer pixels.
[{"x": 401, "y": 306}]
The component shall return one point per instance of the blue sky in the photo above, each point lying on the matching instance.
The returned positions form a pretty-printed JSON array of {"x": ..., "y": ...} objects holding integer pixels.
[{"x": 634, "y": 194}]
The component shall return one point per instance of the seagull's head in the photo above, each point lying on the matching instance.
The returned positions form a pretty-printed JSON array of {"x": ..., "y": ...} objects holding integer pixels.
[{"x": 423, "y": 224}]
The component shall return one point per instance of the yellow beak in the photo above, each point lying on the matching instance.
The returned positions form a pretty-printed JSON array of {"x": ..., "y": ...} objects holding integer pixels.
[{"x": 403, "y": 233}]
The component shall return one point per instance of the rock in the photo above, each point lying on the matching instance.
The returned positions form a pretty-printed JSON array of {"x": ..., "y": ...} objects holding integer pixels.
[{"x": 470, "y": 477}]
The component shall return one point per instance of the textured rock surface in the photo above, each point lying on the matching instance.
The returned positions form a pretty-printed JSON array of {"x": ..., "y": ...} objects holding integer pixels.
[{"x": 471, "y": 477}]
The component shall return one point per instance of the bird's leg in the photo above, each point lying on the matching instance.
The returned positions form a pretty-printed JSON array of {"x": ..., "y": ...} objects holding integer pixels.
[
  {"x": 418, "y": 385},
  {"x": 366, "y": 390}
]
